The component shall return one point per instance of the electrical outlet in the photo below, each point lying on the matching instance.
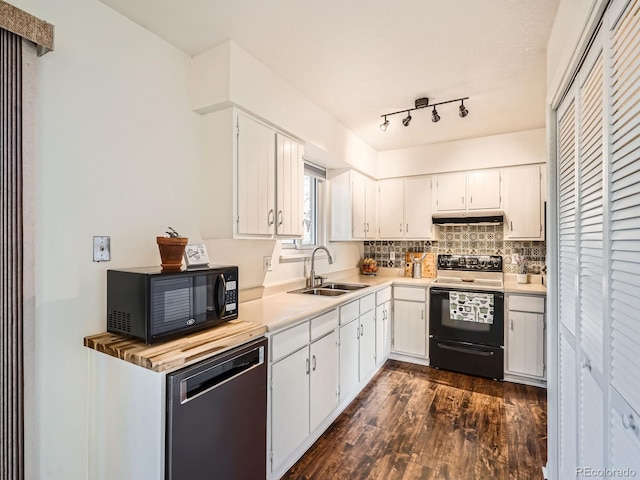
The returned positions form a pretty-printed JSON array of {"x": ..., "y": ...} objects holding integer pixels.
[
  {"x": 101, "y": 249},
  {"x": 392, "y": 256},
  {"x": 266, "y": 264}
]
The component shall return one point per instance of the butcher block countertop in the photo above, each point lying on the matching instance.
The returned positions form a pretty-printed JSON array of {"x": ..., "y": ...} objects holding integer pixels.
[{"x": 167, "y": 356}]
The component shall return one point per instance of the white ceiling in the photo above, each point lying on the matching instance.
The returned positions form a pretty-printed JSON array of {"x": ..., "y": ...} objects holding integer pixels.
[{"x": 359, "y": 59}]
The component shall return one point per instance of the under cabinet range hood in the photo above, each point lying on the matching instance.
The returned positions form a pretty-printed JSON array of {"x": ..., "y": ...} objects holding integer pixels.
[{"x": 478, "y": 217}]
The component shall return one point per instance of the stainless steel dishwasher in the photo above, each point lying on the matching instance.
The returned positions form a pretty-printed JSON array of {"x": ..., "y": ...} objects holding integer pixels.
[{"x": 217, "y": 417}]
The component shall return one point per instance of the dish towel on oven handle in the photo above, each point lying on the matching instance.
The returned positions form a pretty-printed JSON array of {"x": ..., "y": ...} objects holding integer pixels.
[{"x": 471, "y": 307}]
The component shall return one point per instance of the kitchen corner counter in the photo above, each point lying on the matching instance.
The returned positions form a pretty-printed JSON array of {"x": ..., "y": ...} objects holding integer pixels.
[
  {"x": 167, "y": 356},
  {"x": 284, "y": 309},
  {"x": 530, "y": 288}
]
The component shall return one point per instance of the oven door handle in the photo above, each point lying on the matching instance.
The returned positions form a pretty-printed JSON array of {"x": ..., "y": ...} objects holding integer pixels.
[{"x": 474, "y": 351}]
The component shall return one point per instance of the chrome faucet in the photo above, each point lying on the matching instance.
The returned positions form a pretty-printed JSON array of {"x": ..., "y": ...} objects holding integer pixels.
[{"x": 312, "y": 274}]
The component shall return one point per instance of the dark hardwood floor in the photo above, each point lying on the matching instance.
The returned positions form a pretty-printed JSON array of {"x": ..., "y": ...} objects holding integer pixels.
[{"x": 415, "y": 422}]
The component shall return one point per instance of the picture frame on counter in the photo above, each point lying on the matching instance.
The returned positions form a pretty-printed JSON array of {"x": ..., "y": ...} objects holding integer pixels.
[{"x": 195, "y": 255}]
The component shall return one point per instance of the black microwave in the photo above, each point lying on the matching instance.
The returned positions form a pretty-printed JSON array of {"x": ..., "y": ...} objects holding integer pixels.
[{"x": 154, "y": 306}]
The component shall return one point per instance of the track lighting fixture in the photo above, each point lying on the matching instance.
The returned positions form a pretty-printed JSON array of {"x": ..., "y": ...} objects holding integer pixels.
[
  {"x": 421, "y": 103},
  {"x": 463, "y": 110},
  {"x": 434, "y": 116}
]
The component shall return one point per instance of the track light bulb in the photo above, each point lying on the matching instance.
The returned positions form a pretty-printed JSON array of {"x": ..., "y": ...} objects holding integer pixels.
[
  {"x": 434, "y": 115},
  {"x": 463, "y": 110},
  {"x": 406, "y": 120},
  {"x": 384, "y": 125}
]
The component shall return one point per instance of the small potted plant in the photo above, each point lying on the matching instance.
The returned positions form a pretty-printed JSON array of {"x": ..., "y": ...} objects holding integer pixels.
[
  {"x": 523, "y": 267},
  {"x": 171, "y": 246}
]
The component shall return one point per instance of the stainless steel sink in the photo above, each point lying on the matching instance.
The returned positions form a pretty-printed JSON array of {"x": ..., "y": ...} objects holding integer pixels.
[
  {"x": 328, "y": 292},
  {"x": 343, "y": 286},
  {"x": 331, "y": 289}
]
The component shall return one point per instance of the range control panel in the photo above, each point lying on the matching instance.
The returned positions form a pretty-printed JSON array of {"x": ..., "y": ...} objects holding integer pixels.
[{"x": 476, "y": 263}]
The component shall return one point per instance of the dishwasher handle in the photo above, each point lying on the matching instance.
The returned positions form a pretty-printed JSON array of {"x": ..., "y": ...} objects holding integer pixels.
[{"x": 211, "y": 378}]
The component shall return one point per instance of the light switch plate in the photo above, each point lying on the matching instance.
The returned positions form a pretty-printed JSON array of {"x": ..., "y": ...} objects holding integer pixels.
[
  {"x": 101, "y": 249},
  {"x": 392, "y": 256}
]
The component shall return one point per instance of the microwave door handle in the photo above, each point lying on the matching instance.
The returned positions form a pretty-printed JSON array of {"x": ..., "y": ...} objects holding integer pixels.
[{"x": 221, "y": 290}]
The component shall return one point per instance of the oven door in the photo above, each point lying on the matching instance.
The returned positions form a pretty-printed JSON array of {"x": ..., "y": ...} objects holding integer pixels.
[{"x": 447, "y": 321}]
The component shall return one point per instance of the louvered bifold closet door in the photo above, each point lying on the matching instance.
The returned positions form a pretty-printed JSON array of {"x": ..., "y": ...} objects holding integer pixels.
[
  {"x": 567, "y": 212},
  {"x": 590, "y": 255},
  {"x": 568, "y": 453},
  {"x": 590, "y": 213},
  {"x": 625, "y": 207}
]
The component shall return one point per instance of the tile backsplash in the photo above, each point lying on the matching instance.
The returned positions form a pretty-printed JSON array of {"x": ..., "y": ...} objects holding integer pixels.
[{"x": 462, "y": 240}]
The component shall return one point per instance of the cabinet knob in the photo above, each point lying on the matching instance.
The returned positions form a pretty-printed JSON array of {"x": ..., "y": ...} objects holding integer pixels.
[
  {"x": 586, "y": 363},
  {"x": 307, "y": 363},
  {"x": 313, "y": 363},
  {"x": 270, "y": 219},
  {"x": 280, "y": 217},
  {"x": 629, "y": 422}
]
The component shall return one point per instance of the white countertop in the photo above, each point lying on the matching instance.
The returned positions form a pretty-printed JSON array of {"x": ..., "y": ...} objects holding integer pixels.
[{"x": 283, "y": 309}]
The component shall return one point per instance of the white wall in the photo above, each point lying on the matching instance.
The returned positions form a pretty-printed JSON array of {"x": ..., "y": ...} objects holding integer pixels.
[{"x": 485, "y": 152}]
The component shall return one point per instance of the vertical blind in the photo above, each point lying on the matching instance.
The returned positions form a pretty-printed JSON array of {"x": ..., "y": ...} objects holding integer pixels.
[{"x": 11, "y": 241}]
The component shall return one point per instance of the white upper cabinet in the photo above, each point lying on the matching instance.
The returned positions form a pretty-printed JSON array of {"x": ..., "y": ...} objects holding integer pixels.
[
  {"x": 523, "y": 202},
  {"x": 353, "y": 206},
  {"x": 391, "y": 208},
  {"x": 405, "y": 208},
  {"x": 451, "y": 192},
  {"x": 257, "y": 176},
  {"x": 475, "y": 190},
  {"x": 417, "y": 208},
  {"x": 289, "y": 186}
]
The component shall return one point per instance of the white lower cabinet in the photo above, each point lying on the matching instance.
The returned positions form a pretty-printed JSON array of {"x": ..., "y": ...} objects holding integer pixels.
[
  {"x": 357, "y": 344},
  {"x": 367, "y": 340},
  {"x": 383, "y": 325},
  {"x": 289, "y": 405},
  {"x": 304, "y": 383},
  {"x": 410, "y": 321},
  {"x": 349, "y": 341},
  {"x": 323, "y": 397},
  {"x": 525, "y": 336}
]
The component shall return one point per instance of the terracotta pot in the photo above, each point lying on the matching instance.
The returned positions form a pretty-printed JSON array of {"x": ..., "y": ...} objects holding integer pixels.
[{"x": 171, "y": 252}]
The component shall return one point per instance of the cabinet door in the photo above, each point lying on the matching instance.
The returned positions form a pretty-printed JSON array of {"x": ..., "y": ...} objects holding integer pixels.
[
  {"x": 358, "y": 205},
  {"x": 349, "y": 339},
  {"x": 391, "y": 221},
  {"x": 417, "y": 208},
  {"x": 367, "y": 344},
  {"x": 289, "y": 404},
  {"x": 451, "y": 191},
  {"x": 289, "y": 186},
  {"x": 483, "y": 190},
  {"x": 523, "y": 202},
  {"x": 323, "y": 397},
  {"x": 386, "y": 331},
  {"x": 371, "y": 208},
  {"x": 525, "y": 349},
  {"x": 256, "y": 178},
  {"x": 409, "y": 328}
]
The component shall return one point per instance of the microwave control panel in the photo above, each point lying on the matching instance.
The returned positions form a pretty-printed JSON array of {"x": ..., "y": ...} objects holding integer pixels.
[{"x": 231, "y": 301}]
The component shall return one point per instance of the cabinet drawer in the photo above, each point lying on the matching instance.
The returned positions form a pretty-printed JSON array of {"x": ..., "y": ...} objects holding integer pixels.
[
  {"x": 526, "y": 304},
  {"x": 383, "y": 296},
  {"x": 349, "y": 312},
  {"x": 367, "y": 303},
  {"x": 284, "y": 343},
  {"x": 416, "y": 294},
  {"x": 323, "y": 324}
]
